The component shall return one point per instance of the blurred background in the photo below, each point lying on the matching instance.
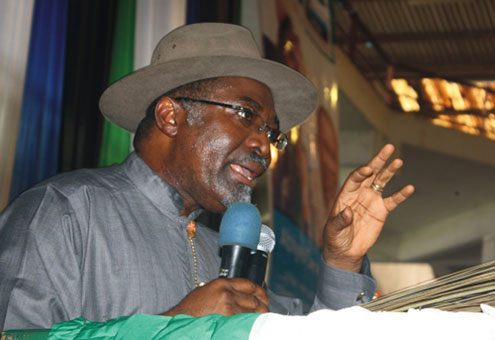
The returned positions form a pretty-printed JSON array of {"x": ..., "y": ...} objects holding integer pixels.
[{"x": 415, "y": 73}]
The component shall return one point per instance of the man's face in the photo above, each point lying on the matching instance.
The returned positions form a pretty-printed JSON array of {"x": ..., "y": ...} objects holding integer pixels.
[{"x": 222, "y": 157}]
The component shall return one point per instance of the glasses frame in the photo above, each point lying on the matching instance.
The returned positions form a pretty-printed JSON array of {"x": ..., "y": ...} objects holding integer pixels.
[{"x": 276, "y": 137}]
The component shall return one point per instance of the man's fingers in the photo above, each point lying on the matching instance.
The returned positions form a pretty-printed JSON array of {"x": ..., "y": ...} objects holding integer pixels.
[
  {"x": 246, "y": 286},
  {"x": 249, "y": 297},
  {"x": 398, "y": 197},
  {"x": 250, "y": 303},
  {"x": 243, "y": 285},
  {"x": 356, "y": 178},
  {"x": 374, "y": 167},
  {"x": 386, "y": 174},
  {"x": 379, "y": 160}
]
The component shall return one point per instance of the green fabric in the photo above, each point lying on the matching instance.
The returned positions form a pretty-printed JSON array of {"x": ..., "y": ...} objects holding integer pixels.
[
  {"x": 116, "y": 141},
  {"x": 31, "y": 334},
  {"x": 144, "y": 326}
]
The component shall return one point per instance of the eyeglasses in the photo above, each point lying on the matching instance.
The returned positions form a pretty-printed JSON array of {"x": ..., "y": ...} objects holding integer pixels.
[{"x": 275, "y": 136}]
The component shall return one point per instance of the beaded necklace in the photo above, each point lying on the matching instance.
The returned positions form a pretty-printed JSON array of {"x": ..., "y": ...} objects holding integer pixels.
[{"x": 191, "y": 234}]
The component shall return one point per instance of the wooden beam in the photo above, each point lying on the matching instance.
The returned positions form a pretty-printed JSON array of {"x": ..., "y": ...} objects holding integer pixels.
[{"x": 408, "y": 37}]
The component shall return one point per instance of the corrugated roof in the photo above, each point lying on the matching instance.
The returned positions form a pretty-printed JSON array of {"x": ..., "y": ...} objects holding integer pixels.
[
  {"x": 452, "y": 38},
  {"x": 422, "y": 39}
]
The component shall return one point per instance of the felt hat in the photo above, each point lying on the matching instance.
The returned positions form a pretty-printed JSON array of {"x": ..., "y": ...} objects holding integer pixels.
[{"x": 200, "y": 51}]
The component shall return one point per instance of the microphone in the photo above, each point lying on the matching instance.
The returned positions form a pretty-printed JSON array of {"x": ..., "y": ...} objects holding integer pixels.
[
  {"x": 238, "y": 237},
  {"x": 258, "y": 260}
]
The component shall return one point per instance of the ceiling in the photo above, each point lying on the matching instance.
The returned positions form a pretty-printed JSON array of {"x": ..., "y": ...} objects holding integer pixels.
[{"x": 451, "y": 39}]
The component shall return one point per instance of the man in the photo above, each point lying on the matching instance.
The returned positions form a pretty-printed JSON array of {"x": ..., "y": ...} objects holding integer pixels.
[{"x": 121, "y": 240}]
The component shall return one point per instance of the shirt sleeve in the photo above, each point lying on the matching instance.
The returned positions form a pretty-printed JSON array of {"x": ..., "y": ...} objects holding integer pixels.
[
  {"x": 39, "y": 247},
  {"x": 338, "y": 288},
  {"x": 284, "y": 304}
]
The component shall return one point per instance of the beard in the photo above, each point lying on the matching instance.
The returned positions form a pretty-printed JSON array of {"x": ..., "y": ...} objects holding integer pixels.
[{"x": 240, "y": 193}]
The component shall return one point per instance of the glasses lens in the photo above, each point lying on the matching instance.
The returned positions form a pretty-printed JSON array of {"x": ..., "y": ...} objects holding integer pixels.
[
  {"x": 282, "y": 142},
  {"x": 277, "y": 138}
]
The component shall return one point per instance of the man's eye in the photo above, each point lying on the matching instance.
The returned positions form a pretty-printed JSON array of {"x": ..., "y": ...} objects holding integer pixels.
[{"x": 247, "y": 115}]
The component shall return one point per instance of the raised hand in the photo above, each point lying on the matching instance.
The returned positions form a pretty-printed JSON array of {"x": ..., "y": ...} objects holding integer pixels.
[
  {"x": 359, "y": 212},
  {"x": 223, "y": 296}
]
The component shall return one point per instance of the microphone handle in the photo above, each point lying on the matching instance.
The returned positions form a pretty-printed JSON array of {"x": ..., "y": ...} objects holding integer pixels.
[
  {"x": 235, "y": 259},
  {"x": 257, "y": 267}
]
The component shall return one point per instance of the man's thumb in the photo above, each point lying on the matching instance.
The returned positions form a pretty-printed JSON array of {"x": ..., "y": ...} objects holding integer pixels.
[{"x": 342, "y": 220}]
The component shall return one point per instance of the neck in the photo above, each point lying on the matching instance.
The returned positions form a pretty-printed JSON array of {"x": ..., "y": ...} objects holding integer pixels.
[{"x": 158, "y": 166}]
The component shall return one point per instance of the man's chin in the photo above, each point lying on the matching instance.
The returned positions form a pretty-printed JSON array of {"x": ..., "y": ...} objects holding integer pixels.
[{"x": 241, "y": 193}]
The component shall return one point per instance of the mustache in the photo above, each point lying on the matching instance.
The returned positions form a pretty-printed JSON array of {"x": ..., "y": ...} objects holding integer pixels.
[{"x": 255, "y": 158}]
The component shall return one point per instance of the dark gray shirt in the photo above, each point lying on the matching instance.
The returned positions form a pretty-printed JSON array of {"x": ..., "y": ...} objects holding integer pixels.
[{"x": 107, "y": 242}]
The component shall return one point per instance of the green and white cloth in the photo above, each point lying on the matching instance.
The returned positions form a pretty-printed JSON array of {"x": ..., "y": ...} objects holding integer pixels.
[{"x": 349, "y": 323}]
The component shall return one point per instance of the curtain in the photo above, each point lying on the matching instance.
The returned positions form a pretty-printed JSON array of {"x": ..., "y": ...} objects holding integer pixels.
[
  {"x": 89, "y": 45},
  {"x": 154, "y": 19},
  {"x": 37, "y": 146},
  {"x": 116, "y": 141},
  {"x": 213, "y": 11},
  {"x": 146, "y": 21},
  {"x": 15, "y": 30}
]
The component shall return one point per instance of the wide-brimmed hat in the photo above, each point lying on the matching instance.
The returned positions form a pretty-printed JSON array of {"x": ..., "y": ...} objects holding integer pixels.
[{"x": 201, "y": 51}]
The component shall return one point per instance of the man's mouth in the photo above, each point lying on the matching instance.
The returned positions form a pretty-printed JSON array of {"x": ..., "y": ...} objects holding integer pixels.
[
  {"x": 248, "y": 169},
  {"x": 244, "y": 172}
]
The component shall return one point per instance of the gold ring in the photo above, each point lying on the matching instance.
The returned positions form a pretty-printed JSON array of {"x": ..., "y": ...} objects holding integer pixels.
[{"x": 376, "y": 187}]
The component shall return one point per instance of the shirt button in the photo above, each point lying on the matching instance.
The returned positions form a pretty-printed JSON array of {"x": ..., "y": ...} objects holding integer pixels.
[{"x": 360, "y": 296}]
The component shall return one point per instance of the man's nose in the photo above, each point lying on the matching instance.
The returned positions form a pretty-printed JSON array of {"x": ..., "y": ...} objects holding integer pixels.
[{"x": 259, "y": 143}]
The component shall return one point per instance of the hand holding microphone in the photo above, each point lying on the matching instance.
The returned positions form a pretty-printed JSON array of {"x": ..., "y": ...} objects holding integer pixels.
[
  {"x": 223, "y": 296},
  {"x": 232, "y": 293}
]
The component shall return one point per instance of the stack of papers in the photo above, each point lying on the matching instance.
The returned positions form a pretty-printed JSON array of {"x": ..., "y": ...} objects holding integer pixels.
[{"x": 464, "y": 291}]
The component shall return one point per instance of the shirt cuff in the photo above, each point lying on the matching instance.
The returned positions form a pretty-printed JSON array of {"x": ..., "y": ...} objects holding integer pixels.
[{"x": 339, "y": 288}]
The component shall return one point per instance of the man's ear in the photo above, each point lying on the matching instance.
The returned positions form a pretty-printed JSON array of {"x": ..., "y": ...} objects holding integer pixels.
[{"x": 166, "y": 116}]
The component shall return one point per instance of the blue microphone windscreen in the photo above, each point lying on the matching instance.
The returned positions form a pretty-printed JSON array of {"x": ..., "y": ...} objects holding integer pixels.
[{"x": 241, "y": 225}]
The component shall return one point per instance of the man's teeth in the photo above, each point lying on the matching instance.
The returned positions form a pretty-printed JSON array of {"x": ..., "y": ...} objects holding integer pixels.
[{"x": 239, "y": 171}]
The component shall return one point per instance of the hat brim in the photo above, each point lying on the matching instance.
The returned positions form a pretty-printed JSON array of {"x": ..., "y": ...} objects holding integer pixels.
[{"x": 125, "y": 102}]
